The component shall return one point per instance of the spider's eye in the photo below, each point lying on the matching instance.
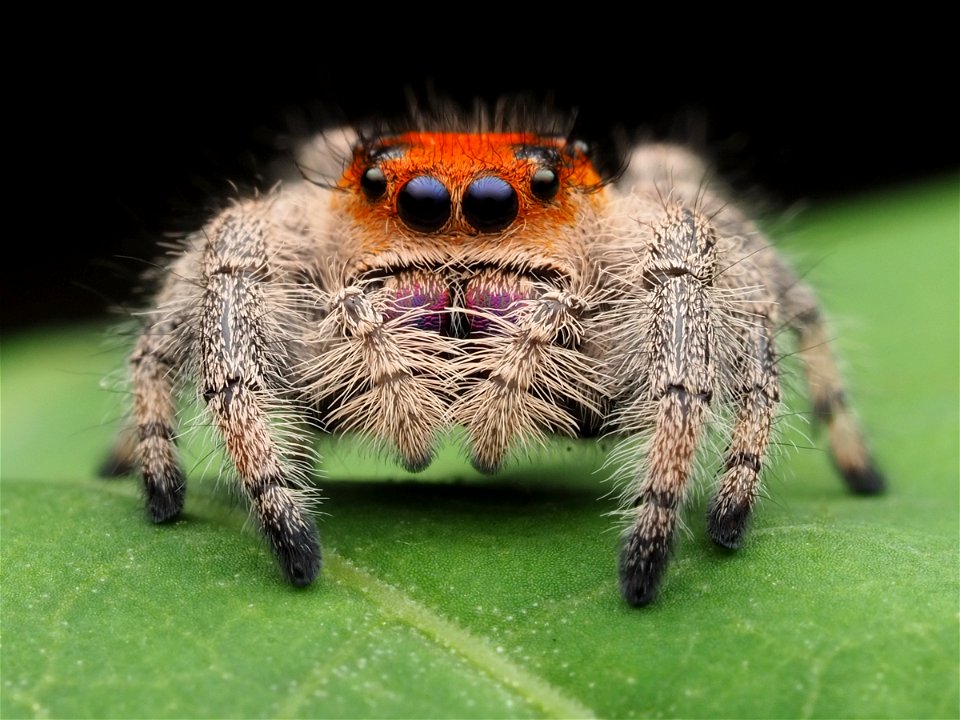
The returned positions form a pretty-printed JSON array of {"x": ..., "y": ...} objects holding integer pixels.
[
  {"x": 424, "y": 204},
  {"x": 545, "y": 184},
  {"x": 373, "y": 183},
  {"x": 490, "y": 204}
]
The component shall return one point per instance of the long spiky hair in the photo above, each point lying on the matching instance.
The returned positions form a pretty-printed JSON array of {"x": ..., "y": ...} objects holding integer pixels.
[
  {"x": 338, "y": 139},
  {"x": 506, "y": 114}
]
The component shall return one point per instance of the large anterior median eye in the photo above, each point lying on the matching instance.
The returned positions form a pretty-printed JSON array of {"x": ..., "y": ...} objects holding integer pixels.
[
  {"x": 490, "y": 204},
  {"x": 424, "y": 204}
]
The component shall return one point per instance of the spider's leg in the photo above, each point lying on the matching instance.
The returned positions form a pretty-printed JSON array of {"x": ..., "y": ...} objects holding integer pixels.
[
  {"x": 756, "y": 394},
  {"x": 122, "y": 458},
  {"x": 238, "y": 378},
  {"x": 674, "y": 338},
  {"x": 154, "y": 364},
  {"x": 830, "y": 401}
]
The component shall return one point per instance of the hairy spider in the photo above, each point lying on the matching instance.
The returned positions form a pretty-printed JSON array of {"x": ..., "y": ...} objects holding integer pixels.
[{"x": 485, "y": 277}]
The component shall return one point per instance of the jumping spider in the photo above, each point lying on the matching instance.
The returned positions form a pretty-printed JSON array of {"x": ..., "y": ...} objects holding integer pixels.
[{"x": 485, "y": 278}]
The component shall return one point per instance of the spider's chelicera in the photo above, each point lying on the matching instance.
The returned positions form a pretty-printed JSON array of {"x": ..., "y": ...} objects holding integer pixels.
[{"x": 493, "y": 282}]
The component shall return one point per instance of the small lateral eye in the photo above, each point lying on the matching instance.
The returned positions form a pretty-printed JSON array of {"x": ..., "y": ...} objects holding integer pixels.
[
  {"x": 490, "y": 204},
  {"x": 545, "y": 184},
  {"x": 373, "y": 183},
  {"x": 424, "y": 204}
]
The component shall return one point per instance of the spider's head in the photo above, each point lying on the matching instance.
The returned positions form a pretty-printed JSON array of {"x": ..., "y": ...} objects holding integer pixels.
[{"x": 468, "y": 197}]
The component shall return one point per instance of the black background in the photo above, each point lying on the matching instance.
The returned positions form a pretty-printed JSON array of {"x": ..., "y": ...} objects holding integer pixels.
[{"x": 126, "y": 141}]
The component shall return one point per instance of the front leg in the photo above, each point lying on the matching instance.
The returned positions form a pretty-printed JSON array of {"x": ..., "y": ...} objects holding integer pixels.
[
  {"x": 666, "y": 327},
  {"x": 240, "y": 357}
]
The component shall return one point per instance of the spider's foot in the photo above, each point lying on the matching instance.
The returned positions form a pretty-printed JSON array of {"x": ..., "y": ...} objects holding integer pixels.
[
  {"x": 727, "y": 522},
  {"x": 115, "y": 465},
  {"x": 298, "y": 553},
  {"x": 643, "y": 561},
  {"x": 292, "y": 535},
  {"x": 122, "y": 458},
  {"x": 851, "y": 456},
  {"x": 864, "y": 481},
  {"x": 165, "y": 495}
]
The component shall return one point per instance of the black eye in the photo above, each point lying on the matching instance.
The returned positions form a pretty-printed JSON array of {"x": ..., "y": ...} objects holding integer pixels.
[
  {"x": 545, "y": 184},
  {"x": 373, "y": 183},
  {"x": 490, "y": 204},
  {"x": 424, "y": 204}
]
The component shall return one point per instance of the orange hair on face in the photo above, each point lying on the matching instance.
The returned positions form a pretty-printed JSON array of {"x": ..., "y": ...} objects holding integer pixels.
[{"x": 524, "y": 161}]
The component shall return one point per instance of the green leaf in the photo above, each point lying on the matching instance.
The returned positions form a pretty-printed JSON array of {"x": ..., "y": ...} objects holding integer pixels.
[{"x": 453, "y": 595}]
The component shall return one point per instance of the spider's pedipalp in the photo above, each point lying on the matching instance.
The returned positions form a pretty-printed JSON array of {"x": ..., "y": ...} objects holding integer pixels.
[
  {"x": 522, "y": 383},
  {"x": 385, "y": 379}
]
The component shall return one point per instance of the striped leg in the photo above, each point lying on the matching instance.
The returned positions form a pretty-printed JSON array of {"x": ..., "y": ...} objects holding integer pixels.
[
  {"x": 756, "y": 401},
  {"x": 237, "y": 352},
  {"x": 847, "y": 442},
  {"x": 677, "y": 277},
  {"x": 152, "y": 369}
]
